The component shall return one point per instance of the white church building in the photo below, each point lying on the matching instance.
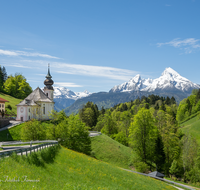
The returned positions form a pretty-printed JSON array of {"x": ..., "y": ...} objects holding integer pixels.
[{"x": 38, "y": 104}]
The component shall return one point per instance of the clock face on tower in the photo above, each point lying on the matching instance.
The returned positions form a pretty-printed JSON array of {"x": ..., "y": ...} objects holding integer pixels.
[{"x": 21, "y": 109}]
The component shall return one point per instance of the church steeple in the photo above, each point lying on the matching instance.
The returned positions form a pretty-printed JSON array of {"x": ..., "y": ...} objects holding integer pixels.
[
  {"x": 48, "y": 82},
  {"x": 48, "y": 89}
]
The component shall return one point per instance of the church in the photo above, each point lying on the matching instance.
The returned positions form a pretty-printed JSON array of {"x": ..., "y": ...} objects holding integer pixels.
[{"x": 38, "y": 104}]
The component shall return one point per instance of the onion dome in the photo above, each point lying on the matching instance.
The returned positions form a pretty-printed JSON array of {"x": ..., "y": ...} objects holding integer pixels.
[{"x": 48, "y": 82}]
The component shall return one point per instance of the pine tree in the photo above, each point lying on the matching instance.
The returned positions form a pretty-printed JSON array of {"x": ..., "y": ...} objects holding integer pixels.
[
  {"x": 167, "y": 101},
  {"x": 5, "y": 76},
  {"x": 157, "y": 107},
  {"x": 162, "y": 107},
  {"x": 172, "y": 100}
]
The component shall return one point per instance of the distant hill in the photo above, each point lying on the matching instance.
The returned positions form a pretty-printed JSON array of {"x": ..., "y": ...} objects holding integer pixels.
[{"x": 109, "y": 99}]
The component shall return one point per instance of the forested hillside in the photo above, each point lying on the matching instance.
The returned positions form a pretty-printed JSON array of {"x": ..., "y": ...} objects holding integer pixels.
[{"x": 149, "y": 125}]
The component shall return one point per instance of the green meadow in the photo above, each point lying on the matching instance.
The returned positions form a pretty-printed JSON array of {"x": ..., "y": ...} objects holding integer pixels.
[
  {"x": 106, "y": 149},
  {"x": 12, "y": 101},
  {"x": 70, "y": 170}
]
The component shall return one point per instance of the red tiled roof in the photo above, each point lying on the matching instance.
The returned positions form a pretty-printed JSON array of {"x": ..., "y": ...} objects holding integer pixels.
[{"x": 3, "y": 100}]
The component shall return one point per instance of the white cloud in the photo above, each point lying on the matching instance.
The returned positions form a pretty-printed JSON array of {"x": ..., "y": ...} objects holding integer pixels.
[
  {"x": 67, "y": 84},
  {"x": 24, "y": 53},
  {"x": 18, "y": 65},
  {"x": 188, "y": 45},
  {"x": 98, "y": 71}
]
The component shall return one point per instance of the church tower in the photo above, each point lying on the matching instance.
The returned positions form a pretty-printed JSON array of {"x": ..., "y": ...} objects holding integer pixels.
[{"x": 48, "y": 89}]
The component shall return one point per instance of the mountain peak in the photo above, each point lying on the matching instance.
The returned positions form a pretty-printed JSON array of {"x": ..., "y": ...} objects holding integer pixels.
[
  {"x": 169, "y": 81},
  {"x": 170, "y": 71}
]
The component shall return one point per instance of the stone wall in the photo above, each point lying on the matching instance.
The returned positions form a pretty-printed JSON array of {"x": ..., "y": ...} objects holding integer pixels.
[{"x": 4, "y": 122}]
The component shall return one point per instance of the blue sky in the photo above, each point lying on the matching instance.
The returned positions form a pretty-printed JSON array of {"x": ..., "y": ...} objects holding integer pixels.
[{"x": 97, "y": 44}]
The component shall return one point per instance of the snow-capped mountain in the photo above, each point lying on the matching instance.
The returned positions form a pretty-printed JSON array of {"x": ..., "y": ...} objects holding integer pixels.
[
  {"x": 64, "y": 97},
  {"x": 170, "y": 80},
  {"x": 62, "y": 92}
]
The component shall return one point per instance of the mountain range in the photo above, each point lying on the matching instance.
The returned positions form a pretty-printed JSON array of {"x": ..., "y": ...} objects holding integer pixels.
[
  {"x": 170, "y": 83},
  {"x": 64, "y": 97}
]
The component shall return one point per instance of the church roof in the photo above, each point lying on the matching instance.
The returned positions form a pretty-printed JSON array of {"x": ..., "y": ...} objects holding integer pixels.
[{"x": 34, "y": 98}]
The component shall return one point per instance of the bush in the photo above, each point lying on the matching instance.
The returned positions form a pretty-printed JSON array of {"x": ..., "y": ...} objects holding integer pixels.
[{"x": 33, "y": 130}]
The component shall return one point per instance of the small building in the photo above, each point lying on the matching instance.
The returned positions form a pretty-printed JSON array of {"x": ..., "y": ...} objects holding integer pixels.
[
  {"x": 38, "y": 104},
  {"x": 2, "y": 104},
  {"x": 156, "y": 174}
]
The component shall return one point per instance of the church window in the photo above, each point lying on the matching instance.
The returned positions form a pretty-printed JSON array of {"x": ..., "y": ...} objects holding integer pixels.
[
  {"x": 47, "y": 94},
  {"x": 43, "y": 108}
]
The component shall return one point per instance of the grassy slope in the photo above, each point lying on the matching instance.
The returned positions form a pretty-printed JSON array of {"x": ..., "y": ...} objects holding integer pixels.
[
  {"x": 106, "y": 149},
  {"x": 72, "y": 170},
  {"x": 192, "y": 126},
  {"x": 13, "y": 133},
  {"x": 12, "y": 101}
]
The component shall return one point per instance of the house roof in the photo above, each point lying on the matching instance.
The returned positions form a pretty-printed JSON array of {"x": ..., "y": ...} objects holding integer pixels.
[
  {"x": 156, "y": 174},
  {"x": 34, "y": 98},
  {"x": 3, "y": 100}
]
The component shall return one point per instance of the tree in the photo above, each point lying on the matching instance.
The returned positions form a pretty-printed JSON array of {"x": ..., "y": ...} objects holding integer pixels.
[
  {"x": 89, "y": 114},
  {"x": 143, "y": 134},
  {"x": 3, "y": 77},
  {"x": 162, "y": 107},
  {"x": 109, "y": 125},
  {"x": 157, "y": 107},
  {"x": 159, "y": 154},
  {"x": 172, "y": 100},
  {"x": 33, "y": 130},
  {"x": 17, "y": 86},
  {"x": 168, "y": 101},
  {"x": 77, "y": 136}
]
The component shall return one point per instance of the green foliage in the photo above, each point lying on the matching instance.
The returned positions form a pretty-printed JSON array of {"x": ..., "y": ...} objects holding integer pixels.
[
  {"x": 89, "y": 114},
  {"x": 17, "y": 86},
  {"x": 188, "y": 107},
  {"x": 109, "y": 124},
  {"x": 121, "y": 138},
  {"x": 33, "y": 130},
  {"x": 76, "y": 135},
  {"x": 143, "y": 134},
  {"x": 3, "y": 77}
]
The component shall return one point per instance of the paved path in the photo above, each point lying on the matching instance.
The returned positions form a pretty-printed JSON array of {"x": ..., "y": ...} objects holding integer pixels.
[
  {"x": 94, "y": 133},
  {"x": 162, "y": 179}
]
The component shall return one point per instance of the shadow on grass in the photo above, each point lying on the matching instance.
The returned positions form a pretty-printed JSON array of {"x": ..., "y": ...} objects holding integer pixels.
[
  {"x": 5, "y": 135},
  {"x": 40, "y": 158}
]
